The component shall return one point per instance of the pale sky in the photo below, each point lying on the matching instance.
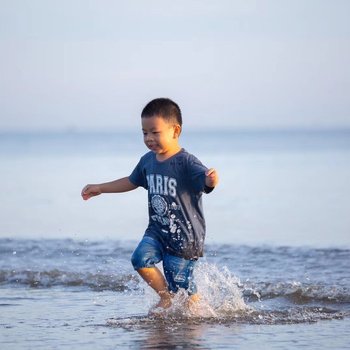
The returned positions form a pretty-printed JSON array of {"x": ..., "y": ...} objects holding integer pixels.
[{"x": 82, "y": 65}]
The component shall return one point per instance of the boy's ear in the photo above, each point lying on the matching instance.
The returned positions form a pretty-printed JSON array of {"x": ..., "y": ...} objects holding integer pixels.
[{"x": 177, "y": 130}]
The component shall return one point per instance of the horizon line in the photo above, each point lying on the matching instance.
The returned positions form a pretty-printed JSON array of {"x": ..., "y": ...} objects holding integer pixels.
[{"x": 309, "y": 129}]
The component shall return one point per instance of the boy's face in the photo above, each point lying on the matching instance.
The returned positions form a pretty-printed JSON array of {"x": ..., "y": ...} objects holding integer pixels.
[{"x": 159, "y": 135}]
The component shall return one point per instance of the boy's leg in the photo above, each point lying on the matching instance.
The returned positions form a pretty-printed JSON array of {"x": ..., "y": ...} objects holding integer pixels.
[
  {"x": 156, "y": 280},
  {"x": 194, "y": 298},
  {"x": 194, "y": 301},
  {"x": 146, "y": 255},
  {"x": 179, "y": 274}
]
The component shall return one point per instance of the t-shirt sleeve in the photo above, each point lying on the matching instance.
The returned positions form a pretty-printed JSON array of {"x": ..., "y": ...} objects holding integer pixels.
[{"x": 138, "y": 176}]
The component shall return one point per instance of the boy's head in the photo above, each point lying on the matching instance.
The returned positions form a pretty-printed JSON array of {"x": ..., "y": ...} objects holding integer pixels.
[
  {"x": 161, "y": 126},
  {"x": 163, "y": 108}
]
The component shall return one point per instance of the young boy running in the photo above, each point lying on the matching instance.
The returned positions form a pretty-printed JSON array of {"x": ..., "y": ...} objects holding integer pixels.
[{"x": 175, "y": 180}]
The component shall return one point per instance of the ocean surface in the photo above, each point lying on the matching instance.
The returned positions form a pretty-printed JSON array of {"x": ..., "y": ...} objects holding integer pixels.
[{"x": 276, "y": 269}]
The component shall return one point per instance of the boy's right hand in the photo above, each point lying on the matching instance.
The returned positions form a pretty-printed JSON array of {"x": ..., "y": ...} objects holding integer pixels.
[{"x": 90, "y": 191}]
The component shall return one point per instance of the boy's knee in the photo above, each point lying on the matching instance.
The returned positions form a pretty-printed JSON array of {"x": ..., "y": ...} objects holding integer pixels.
[
  {"x": 140, "y": 259},
  {"x": 136, "y": 260},
  {"x": 147, "y": 254}
]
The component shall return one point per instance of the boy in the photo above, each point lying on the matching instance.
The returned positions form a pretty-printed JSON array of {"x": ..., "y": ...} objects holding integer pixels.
[{"x": 175, "y": 181}]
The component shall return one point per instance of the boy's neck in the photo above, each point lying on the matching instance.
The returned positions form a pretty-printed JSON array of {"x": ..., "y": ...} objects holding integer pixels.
[{"x": 171, "y": 152}]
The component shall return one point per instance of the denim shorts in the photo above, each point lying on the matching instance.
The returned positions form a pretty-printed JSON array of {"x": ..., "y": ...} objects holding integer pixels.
[{"x": 178, "y": 271}]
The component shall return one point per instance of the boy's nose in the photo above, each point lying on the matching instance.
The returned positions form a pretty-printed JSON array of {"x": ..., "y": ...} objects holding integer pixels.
[{"x": 148, "y": 137}]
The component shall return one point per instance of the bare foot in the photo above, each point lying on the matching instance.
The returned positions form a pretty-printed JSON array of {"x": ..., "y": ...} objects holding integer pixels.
[
  {"x": 199, "y": 307},
  {"x": 163, "y": 304}
]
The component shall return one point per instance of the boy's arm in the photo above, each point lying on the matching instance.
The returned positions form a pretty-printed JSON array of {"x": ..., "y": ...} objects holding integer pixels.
[{"x": 117, "y": 186}]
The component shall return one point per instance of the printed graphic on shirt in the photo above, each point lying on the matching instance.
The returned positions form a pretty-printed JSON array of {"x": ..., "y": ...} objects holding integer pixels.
[
  {"x": 159, "y": 186},
  {"x": 159, "y": 205}
]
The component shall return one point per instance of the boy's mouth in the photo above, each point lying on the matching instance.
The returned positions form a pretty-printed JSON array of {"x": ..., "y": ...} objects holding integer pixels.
[{"x": 152, "y": 146}]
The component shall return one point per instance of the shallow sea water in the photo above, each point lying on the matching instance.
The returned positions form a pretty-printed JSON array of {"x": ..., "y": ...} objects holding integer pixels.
[
  {"x": 60, "y": 320},
  {"x": 57, "y": 294}
]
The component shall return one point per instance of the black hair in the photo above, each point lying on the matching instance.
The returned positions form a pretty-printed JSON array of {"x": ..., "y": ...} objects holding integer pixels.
[{"x": 164, "y": 108}]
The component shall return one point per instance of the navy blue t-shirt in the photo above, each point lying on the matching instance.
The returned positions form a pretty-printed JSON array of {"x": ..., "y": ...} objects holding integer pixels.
[{"x": 175, "y": 187}]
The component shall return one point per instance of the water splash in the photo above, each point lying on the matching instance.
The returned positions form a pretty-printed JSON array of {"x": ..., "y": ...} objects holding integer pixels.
[
  {"x": 220, "y": 289},
  {"x": 224, "y": 301},
  {"x": 220, "y": 296}
]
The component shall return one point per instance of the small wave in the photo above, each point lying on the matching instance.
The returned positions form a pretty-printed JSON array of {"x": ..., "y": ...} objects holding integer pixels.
[
  {"x": 68, "y": 248},
  {"x": 55, "y": 277},
  {"x": 298, "y": 293}
]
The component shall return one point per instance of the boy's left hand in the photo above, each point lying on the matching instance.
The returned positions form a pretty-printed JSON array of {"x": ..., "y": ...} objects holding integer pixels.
[{"x": 211, "y": 177}]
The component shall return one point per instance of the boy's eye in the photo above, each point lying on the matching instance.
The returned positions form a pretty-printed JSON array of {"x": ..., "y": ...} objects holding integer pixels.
[{"x": 152, "y": 132}]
